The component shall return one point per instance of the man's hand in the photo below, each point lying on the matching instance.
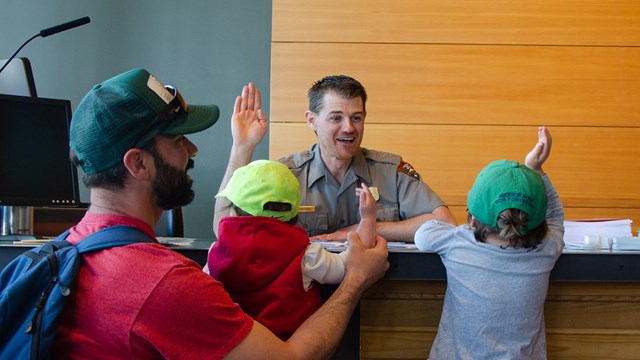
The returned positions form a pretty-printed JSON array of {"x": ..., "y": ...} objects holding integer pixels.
[
  {"x": 338, "y": 235},
  {"x": 365, "y": 266},
  {"x": 248, "y": 123},
  {"x": 540, "y": 152}
]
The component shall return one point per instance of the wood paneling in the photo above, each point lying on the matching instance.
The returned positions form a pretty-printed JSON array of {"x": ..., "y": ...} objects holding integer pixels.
[
  {"x": 467, "y": 84},
  {"x": 591, "y": 167},
  {"x": 575, "y": 213},
  {"x": 550, "y": 22},
  {"x": 456, "y": 84},
  {"x": 399, "y": 320}
]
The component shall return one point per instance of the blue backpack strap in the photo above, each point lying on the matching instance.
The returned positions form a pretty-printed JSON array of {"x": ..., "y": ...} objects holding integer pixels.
[
  {"x": 62, "y": 236},
  {"x": 41, "y": 252},
  {"x": 112, "y": 236}
]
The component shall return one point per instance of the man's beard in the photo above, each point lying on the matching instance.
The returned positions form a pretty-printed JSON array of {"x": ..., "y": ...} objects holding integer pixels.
[{"x": 171, "y": 187}]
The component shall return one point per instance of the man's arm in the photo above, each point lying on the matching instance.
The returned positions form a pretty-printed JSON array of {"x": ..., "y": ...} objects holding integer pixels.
[
  {"x": 248, "y": 126},
  {"x": 403, "y": 230},
  {"x": 319, "y": 336}
]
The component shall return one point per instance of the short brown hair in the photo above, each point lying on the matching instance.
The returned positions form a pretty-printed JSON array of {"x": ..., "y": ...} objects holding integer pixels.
[
  {"x": 512, "y": 225},
  {"x": 343, "y": 85},
  {"x": 114, "y": 177}
]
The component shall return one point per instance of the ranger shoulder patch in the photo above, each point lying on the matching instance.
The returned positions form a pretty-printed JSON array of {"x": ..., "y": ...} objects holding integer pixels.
[{"x": 407, "y": 169}]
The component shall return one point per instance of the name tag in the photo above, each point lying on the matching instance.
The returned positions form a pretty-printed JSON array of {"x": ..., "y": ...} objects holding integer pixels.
[{"x": 306, "y": 208}]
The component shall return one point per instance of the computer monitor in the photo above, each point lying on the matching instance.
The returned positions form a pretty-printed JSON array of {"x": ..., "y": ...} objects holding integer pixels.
[
  {"x": 17, "y": 78},
  {"x": 35, "y": 169}
]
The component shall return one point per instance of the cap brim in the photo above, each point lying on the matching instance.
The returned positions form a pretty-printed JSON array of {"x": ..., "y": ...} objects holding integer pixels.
[
  {"x": 197, "y": 118},
  {"x": 222, "y": 193}
]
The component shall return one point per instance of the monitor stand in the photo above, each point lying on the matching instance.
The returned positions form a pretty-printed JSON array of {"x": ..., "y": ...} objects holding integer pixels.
[{"x": 17, "y": 223}]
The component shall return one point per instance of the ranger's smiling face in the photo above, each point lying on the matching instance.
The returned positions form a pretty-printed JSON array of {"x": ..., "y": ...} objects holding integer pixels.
[{"x": 339, "y": 126}]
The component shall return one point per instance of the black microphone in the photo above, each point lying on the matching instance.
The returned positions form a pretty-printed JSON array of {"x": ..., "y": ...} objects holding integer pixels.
[
  {"x": 66, "y": 26},
  {"x": 50, "y": 31}
]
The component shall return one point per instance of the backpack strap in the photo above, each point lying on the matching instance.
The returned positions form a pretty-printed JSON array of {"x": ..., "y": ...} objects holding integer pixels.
[
  {"x": 110, "y": 237},
  {"x": 48, "y": 248}
]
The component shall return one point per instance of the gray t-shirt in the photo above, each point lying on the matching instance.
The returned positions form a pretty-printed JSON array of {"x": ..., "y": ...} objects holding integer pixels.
[{"x": 494, "y": 303}]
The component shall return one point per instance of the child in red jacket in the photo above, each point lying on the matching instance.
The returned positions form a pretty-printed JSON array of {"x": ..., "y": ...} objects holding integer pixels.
[{"x": 266, "y": 263}]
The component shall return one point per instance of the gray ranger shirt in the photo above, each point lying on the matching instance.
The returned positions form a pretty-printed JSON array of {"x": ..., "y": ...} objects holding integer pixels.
[{"x": 327, "y": 206}]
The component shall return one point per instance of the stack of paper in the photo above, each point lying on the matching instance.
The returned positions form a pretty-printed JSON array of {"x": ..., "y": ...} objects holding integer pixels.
[
  {"x": 34, "y": 242},
  {"x": 597, "y": 233},
  {"x": 626, "y": 243},
  {"x": 342, "y": 245},
  {"x": 178, "y": 241}
]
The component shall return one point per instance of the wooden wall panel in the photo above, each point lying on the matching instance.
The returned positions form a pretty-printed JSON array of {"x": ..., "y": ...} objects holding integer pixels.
[
  {"x": 550, "y": 22},
  {"x": 575, "y": 213},
  {"x": 399, "y": 320},
  {"x": 465, "y": 84},
  {"x": 456, "y": 84},
  {"x": 591, "y": 167}
]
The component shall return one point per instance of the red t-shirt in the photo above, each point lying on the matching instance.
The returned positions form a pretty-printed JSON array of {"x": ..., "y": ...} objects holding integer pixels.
[{"x": 145, "y": 301}]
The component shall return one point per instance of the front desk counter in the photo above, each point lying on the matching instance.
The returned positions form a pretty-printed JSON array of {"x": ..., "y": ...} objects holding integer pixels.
[
  {"x": 197, "y": 250},
  {"x": 592, "y": 309}
]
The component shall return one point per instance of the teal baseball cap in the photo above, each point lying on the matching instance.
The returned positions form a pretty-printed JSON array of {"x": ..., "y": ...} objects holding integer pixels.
[
  {"x": 127, "y": 111},
  {"x": 262, "y": 181},
  {"x": 503, "y": 185}
]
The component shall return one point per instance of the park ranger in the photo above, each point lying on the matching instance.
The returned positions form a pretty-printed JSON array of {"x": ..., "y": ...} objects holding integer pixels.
[{"x": 331, "y": 170}]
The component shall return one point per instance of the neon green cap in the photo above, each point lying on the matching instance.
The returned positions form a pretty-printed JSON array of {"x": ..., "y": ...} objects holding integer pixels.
[{"x": 260, "y": 182}]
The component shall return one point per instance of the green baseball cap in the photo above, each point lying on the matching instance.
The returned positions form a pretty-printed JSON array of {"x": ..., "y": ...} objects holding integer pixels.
[
  {"x": 260, "y": 182},
  {"x": 126, "y": 112},
  {"x": 503, "y": 185}
]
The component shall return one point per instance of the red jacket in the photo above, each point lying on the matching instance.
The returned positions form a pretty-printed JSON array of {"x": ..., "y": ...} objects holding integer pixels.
[{"x": 259, "y": 261}]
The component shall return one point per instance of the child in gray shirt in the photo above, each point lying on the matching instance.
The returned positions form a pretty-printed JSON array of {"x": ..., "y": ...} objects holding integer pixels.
[{"x": 498, "y": 264}]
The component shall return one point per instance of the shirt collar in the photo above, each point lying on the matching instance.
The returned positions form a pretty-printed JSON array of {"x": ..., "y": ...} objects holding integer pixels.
[
  {"x": 358, "y": 167},
  {"x": 317, "y": 169}
]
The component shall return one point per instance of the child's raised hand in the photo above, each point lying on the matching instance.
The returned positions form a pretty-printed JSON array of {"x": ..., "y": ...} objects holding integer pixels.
[
  {"x": 367, "y": 202},
  {"x": 367, "y": 227},
  {"x": 540, "y": 152}
]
